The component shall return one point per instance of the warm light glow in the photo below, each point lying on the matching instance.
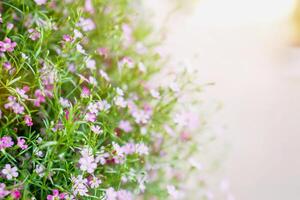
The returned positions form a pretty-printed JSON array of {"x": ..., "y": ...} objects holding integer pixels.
[{"x": 242, "y": 12}]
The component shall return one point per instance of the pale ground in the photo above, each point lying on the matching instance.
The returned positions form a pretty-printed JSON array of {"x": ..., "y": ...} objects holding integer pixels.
[{"x": 243, "y": 47}]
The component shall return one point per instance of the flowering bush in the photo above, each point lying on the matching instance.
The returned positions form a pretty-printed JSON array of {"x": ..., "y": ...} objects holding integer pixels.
[{"x": 80, "y": 117}]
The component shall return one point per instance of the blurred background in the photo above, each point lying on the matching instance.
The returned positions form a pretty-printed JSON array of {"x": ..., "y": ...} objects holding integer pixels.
[{"x": 250, "y": 50}]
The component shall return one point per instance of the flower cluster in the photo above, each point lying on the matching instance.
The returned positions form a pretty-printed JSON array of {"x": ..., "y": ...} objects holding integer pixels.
[{"x": 81, "y": 116}]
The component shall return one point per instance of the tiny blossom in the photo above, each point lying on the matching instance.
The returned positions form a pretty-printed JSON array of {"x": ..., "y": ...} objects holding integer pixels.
[
  {"x": 3, "y": 191},
  {"x": 96, "y": 129},
  {"x": 120, "y": 101},
  {"x": 67, "y": 38},
  {"x": 104, "y": 75},
  {"x": 173, "y": 192},
  {"x": 93, "y": 81},
  {"x": 142, "y": 149},
  {"x": 90, "y": 117},
  {"x": 119, "y": 91},
  {"x": 80, "y": 49},
  {"x": 17, "y": 108},
  {"x": 16, "y": 194},
  {"x": 86, "y": 24},
  {"x": 39, "y": 153},
  {"x": 28, "y": 120},
  {"x": 40, "y": 2},
  {"x": 103, "y": 52},
  {"x": 87, "y": 161},
  {"x": 95, "y": 182},
  {"x": 7, "y": 45},
  {"x": 91, "y": 64},
  {"x": 88, "y": 6},
  {"x": 85, "y": 92},
  {"x": 7, "y": 66},
  {"x": 64, "y": 102},
  {"x": 24, "y": 56},
  {"x": 10, "y": 172},
  {"x": 110, "y": 194},
  {"x": 77, "y": 34},
  {"x": 9, "y": 26},
  {"x": 124, "y": 195},
  {"x": 141, "y": 117},
  {"x": 125, "y": 126},
  {"x": 56, "y": 195},
  {"x": 80, "y": 185},
  {"x": 142, "y": 67},
  {"x": 0, "y": 114},
  {"x": 40, "y": 98},
  {"x": 22, "y": 143},
  {"x": 22, "y": 93},
  {"x": 6, "y": 142},
  {"x": 40, "y": 170},
  {"x": 155, "y": 94},
  {"x": 34, "y": 34},
  {"x": 126, "y": 62}
]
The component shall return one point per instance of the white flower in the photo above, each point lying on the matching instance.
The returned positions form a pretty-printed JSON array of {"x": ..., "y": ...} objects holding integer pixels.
[
  {"x": 91, "y": 64},
  {"x": 141, "y": 117},
  {"x": 120, "y": 101},
  {"x": 86, "y": 24},
  {"x": 40, "y": 170},
  {"x": 87, "y": 161},
  {"x": 142, "y": 67},
  {"x": 95, "y": 182},
  {"x": 141, "y": 149},
  {"x": 155, "y": 94},
  {"x": 10, "y": 172},
  {"x": 80, "y": 186},
  {"x": 64, "y": 102},
  {"x": 120, "y": 91},
  {"x": 104, "y": 75},
  {"x": 77, "y": 34},
  {"x": 93, "y": 81},
  {"x": 96, "y": 129},
  {"x": 80, "y": 49},
  {"x": 174, "y": 193},
  {"x": 40, "y": 2}
]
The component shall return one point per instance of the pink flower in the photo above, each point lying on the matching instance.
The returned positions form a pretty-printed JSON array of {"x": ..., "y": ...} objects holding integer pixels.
[
  {"x": 125, "y": 126},
  {"x": 34, "y": 34},
  {"x": 22, "y": 143},
  {"x": 90, "y": 117},
  {"x": 9, "y": 26},
  {"x": 124, "y": 195},
  {"x": 89, "y": 6},
  {"x": 12, "y": 104},
  {"x": 3, "y": 191},
  {"x": 126, "y": 62},
  {"x": 28, "y": 120},
  {"x": 85, "y": 93},
  {"x": 87, "y": 161},
  {"x": 86, "y": 24},
  {"x": 67, "y": 38},
  {"x": 7, "y": 65},
  {"x": 103, "y": 52},
  {"x": 6, "y": 142},
  {"x": 40, "y": 98},
  {"x": 7, "y": 45},
  {"x": 56, "y": 195},
  {"x": 15, "y": 194}
]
